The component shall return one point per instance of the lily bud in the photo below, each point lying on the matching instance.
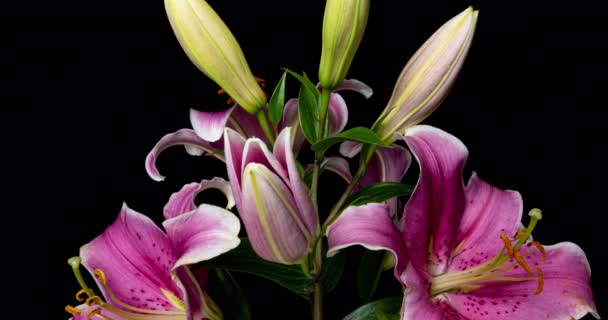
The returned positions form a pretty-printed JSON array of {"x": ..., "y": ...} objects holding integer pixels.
[
  {"x": 271, "y": 198},
  {"x": 214, "y": 50},
  {"x": 428, "y": 76},
  {"x": 343, "y": 27}
]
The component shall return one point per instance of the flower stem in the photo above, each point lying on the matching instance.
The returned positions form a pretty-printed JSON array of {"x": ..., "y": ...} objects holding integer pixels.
[
  {"x": 317, "y": 303},
  {"x": 366, "y": 155},
  {"x": 265, "y": 127},
  {"x": 325, "y": 95}
]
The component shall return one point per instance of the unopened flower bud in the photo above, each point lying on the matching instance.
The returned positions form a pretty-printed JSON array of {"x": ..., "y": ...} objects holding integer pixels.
[
  {"x": 428, "y": 76},
  {"x": 213, "y": 49},
  {"x": 343, "y": 27}
]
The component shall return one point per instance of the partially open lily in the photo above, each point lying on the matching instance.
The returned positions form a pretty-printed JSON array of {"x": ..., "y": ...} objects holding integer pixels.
[
  {"x": 271, "y": 197},
  {"x": 468, "y": 255},
  {"x": 144, "y": 272},
  {"x": 208, "y": 127}
]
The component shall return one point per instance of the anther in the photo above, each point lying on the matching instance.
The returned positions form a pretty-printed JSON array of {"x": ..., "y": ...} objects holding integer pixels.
[
  {"x": 541, "y": 280},
  {"x": 520, "y": 233},
  {"x": 540, "y": 248},
  {"x": 80, "y": 295},
  {"x": 522, "y": 262},
  {"x": 94, "y": 300},
  {"x": 94, "y": 312},
  {"x": 72, "y": 310},
  {"x": 101, "y": 276},
  {"x": 508, "y": 244}
]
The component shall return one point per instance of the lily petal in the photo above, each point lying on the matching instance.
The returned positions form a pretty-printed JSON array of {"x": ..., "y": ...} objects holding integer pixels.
[
  {"x": 273, "y": 224},
  {"x": 566, "y": 292},
  {"x": 371, "y": 226},
  {"x": 417, "y": 303},
  {"x": 256, "y": 151},
  {"x": 356, "y": 86},
  {"x": 183, "y": 200},
  {"x": 210, "y": 125},
  {"x": 338, "y": 113},
  {"x": 489, "y": 213},
  {"x": 350, "y": 149},
  {"x": 340, "y": 167},
  {"x": 181, "y": 137},
  {"x": 246, "y": 124},
  {"x": 284, "y": 155},
  {"x": 233, "y": 149},
  {"x": 202, "y": 234},
  {"x": 437, "y": 203},
  {"x": 387, "y": 165},
  {"x": 136, "y": 257}
]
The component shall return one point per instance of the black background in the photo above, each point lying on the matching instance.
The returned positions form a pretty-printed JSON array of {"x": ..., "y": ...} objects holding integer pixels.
[{"x": 101, "y": 82}]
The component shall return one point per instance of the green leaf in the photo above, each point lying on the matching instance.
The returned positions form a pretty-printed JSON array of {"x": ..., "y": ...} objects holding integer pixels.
[
  {"x": 229, "y": 296},
  {"x": 360, "y": 134},
  {"x": 305, "y": 81},
  {"x": 277, "y": 102},
  {"x": 308, "y": 110},
  {"x": 244, "y": 259},
  {"x": 368, "y": 275},
  {"x": 378, "y": 192},
  {"x": 384, "y": 309},
  {"x": 333, "y": 268}
]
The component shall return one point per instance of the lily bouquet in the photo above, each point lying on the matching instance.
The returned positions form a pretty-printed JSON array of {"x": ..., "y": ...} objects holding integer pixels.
[{"x": 459, "y": 250}]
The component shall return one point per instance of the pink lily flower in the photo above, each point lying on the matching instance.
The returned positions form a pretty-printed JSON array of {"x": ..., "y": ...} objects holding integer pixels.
[
  {"x": 271, "y": 198},
  {"x": 461, "y": 251},
  {"x": 143, "y": 272}
]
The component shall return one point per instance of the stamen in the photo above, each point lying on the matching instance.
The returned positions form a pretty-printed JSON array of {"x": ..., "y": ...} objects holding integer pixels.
[
  {"x": 541, "y": 280},
  {"x": 261, "y": 81},
  {"x": 101, "y": 276},
  {"x": 520, "y": 233},
  {"x": 72, "y": 310},
  {"x": 94, "y": 312},
  {"x": 522, "y": 262},
  {"x": 80, "y": 295},
  {"x": 94, "y": 300},
  {"x": 540, "y": 248},
  {"x": 508, "y": 244}
]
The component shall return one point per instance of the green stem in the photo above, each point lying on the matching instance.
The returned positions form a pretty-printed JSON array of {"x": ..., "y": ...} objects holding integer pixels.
[
  {"x": 265, "y": 127},
  {"x": 317, "y": 303},
  {"x": 323, "y": 126},
  {"x": 366, "y": 155},
  {"x": 315, "y": 185}
]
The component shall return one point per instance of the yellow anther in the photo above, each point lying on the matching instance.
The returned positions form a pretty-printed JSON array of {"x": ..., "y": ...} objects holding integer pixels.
[
  {"x": 541, "y": 280},
  {"x": 94, "y": 312},
  {"x": 72, "y": 310},
  {"x": 80, "y": 295},
  {"x": 101, "y": 276},
  {"x": 522, "y": 262},
  {"x": 540, "y": 248},
  {"x": 94, "y": 300},
  {"x": 508, "y": 244}
]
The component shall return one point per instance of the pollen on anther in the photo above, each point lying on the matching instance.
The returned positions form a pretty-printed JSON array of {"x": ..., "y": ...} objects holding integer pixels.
[
  {"x": 70, "y": 309},
  {"x": 540, "y": 248},
  {"x": 80, "y": 295},
  {"x": 508, "y": 244},
  {"x": 522, "y": 262},
  {"x": 541, "y": 280}
]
